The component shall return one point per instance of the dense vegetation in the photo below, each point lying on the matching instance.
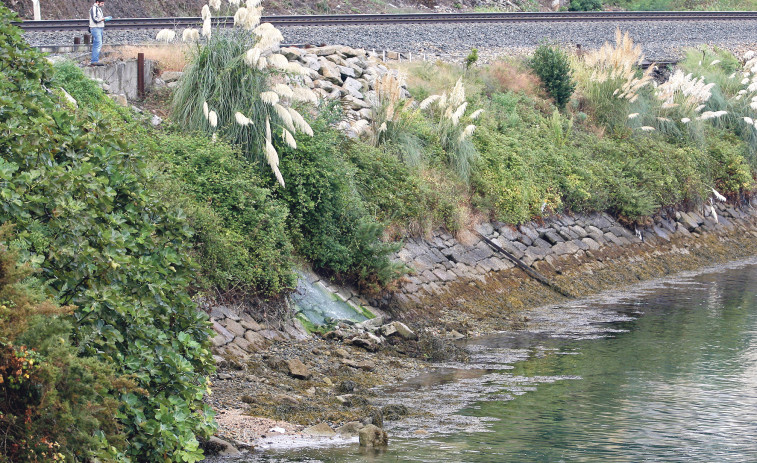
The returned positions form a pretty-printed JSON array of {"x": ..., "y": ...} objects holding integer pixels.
[
  {"x": 100, "y": 235},
  {"x": 77, "y": 210}
]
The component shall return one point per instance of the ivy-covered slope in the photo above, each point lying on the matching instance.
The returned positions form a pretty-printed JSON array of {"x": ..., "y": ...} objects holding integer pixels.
[{"x": 75, "y": 194}]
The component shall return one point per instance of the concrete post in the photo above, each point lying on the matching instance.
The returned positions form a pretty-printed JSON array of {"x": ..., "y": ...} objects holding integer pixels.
[{"x": 37, "y": 13}]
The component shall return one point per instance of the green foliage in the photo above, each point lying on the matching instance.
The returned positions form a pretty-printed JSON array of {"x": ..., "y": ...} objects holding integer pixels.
[
  {"x": 472, "y": 58},
  {"x": 218, "y": 75},
  {"x": 529, "y": 163},
  {"x": 328, "y": 221},
  {"x": 552, "y": 66},
  {"x": 585, "y": 5},
  {"x": 240, "y": 236},
  {"x": 106, "y": 244},
  {"x": 53, "y": 404}
]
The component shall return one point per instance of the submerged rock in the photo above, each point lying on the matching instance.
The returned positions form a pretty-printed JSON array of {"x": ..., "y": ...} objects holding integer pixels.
[
  {"x": 373, "y": 436},
  {"x": 320, "y": 430}
]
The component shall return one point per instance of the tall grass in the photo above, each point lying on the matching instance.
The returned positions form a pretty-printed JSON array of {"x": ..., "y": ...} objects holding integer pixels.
[
  {"x": 169, "y": 57},
  {"x": 391, "y": 119},
  {"x": 610, "y": 83},
  {"x": 733, "y": 84},
  {"x": 449, "y": 114},
  {"x": 239, "y": 86}
]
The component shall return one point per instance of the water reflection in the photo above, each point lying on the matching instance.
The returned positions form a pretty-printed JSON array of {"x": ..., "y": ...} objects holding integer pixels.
[{"x": 676, "y": 384}]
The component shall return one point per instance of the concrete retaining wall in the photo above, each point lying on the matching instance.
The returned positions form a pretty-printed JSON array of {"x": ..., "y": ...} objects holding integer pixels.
[{"x": 121, "y": 77}]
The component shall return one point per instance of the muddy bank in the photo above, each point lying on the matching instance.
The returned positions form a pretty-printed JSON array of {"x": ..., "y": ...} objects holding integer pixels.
[{"x": 330, "y": 381}]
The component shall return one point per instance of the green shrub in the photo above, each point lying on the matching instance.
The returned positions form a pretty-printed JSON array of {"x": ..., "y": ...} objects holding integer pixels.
[
  {"x": 585, "y": 5},
  {"x": 328, "y": 221},
  {"x": 240, "y": 236},
  {"x": 553, "y": 68},
  {"x": 53, "y": 404},
  {"x": 472, "y": 58},
  {"x": 108, "y": 245}
]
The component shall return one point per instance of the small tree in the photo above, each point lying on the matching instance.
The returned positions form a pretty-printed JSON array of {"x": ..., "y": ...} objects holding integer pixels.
[
  {"x": 472, "y": 58},
  {"x": 553, "y": 68}
]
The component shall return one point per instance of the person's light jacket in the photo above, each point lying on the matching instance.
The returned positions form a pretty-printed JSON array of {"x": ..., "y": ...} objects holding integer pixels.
[{"x": 96, "y": 17}]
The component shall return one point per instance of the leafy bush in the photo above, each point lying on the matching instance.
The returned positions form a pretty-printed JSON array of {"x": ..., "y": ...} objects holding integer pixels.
[
  {"x": 553, "y": 68},
  {"x": 240, "y": 236},
  {"x": 328, "y": 221},
  {"x": 585, "y": 5},
  {"x": 53, "y": 405},
  {"x": 472, "y": 58},
  {"x": 107, "y": 245}
]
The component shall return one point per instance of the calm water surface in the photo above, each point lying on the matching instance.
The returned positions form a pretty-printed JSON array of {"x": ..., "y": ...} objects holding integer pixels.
[{"x": 664, "y": 373}]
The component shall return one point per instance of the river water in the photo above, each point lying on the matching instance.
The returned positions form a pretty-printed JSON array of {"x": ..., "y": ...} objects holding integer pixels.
[{"x": 663, "y": 372}]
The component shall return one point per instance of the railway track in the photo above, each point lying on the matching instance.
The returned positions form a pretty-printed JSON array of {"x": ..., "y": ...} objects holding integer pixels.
[{"x": 332, "y": 20}]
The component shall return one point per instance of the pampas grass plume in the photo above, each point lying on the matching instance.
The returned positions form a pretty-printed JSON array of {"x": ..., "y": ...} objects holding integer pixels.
[
  {"x": 300, "y": 122},
  {"x": 289, "y": 139},
  {"x": 252, "y": 56},
  {"x": 190, "y": 35},
  {"x": 166, "y": 35},
  {"x": 270, "y": 98},
  {"x": 429, "y": 101},
  {"x": 240, "y": 16},
  {"x": 278, "y": 61},
  {"x": 304, "y": 94},
  {"x": 205, "y": 109},
  {"x": 205, "y": 13},
  {"x": 213, "y": 119},
  {"x": 283, "y": 90},
  {"x": 475, "y": 114},
  {"x": 242, "y": 119},
  {"x": 284, "y": 115},
  {"x": 206, "y": 28},
  {"x": 467, "y": 132},
  {"x": 215, "y": 4}
]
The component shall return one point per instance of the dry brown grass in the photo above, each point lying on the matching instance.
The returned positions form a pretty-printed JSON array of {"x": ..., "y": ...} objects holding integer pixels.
[
  {"x": 507, "y": 76},
  {"x": 169, "y": 57}
]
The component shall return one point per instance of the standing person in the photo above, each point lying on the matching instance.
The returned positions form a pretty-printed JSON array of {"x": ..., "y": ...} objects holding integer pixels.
[{"x": 97, "y": 26}]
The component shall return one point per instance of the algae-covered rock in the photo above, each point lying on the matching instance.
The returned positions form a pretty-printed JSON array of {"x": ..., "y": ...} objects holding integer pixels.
[
  {"x": 373, "y": 436},
  {"x": 320, "y": 430},
  {"x": 297, "y": 369}
]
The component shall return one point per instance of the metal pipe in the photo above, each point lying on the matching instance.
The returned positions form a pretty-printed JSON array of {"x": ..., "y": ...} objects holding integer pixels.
[{"x": 141, "y": 75}]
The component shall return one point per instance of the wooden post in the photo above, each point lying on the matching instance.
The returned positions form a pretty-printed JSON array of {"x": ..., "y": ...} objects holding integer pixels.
[
  {"x": 141, "y": 75},
  {"x": 87, "y": 39}
]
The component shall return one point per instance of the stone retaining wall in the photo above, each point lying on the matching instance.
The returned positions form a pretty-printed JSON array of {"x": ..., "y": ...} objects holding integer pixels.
[
  {"x": 441, "y": 260},
  {"x": 238, "y": 334},
  {"x": 440, "y": 263}
]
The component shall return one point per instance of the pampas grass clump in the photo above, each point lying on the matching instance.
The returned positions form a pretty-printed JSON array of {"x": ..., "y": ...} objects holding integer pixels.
[
  {"x": 447, "y": 112},
  {"x": 240, "y": 87},
  {"x": 609, "y": 81}
]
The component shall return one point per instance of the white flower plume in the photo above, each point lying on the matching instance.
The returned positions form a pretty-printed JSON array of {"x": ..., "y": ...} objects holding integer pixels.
[
  {"x": 165, "y": 35},
  {"x": 190, "y": 35},
  {"x": 270, "y": 98}
]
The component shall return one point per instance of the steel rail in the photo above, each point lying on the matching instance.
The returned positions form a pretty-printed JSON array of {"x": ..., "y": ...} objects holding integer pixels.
[{"x": 418, "y": 18}]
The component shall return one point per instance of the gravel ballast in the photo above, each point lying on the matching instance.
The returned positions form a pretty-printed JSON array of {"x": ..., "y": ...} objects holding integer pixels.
[{"x": 658, "y": 39}]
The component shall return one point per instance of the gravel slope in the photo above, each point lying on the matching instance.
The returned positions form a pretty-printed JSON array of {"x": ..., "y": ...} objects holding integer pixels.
[{"x": 659, "y": 39}]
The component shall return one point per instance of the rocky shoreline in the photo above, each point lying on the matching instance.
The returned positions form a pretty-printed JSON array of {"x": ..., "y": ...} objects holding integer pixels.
[{"x": 329, "y": 386}]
